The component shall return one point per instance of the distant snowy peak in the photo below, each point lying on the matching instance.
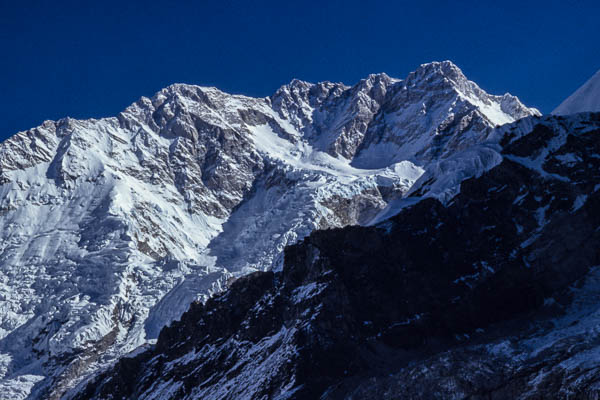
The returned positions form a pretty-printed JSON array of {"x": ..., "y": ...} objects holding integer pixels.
[
  {"x": 382, "y": 120},
  {"x": 437, "y": 78},
  {"x": 433, "y": 113},
  {"x": 585, "y": 99}
]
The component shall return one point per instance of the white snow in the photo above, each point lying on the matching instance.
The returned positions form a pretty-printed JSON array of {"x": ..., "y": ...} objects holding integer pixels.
[
  {"x": 585, "y": 99},
  {"x": 579, "y": 202}
]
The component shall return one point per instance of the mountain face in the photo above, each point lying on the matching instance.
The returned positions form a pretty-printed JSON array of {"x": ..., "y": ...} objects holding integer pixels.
[
  {"x": 585, "y": 99},
  {"x": 110, "y": 228},
  {"x": 434, "y": 112},
  {"x": 492, "y": 295}
]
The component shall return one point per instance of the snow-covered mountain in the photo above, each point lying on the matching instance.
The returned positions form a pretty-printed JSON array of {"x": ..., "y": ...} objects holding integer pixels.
[
  {"x": 110, "y": 228},
  {"x": 493, "y": 295},
  {"x": 585, "y": 99}
]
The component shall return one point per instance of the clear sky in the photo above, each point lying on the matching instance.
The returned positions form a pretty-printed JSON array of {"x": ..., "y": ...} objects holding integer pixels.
[{"x": 93, "y": 58}]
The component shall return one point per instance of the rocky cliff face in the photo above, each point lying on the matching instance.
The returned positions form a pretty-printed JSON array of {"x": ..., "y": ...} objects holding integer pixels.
[
  {"x": 110, "y": 228},
  {"x": 492, "y": 295}
]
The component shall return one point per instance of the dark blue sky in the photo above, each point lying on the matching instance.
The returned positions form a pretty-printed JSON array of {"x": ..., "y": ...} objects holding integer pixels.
[{"x": 91, "y": 59}]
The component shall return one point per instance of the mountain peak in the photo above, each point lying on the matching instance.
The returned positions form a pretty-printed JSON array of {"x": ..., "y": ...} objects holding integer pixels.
[
  {"x": 445, "y": 65},
  {"x": 299, "y": 83},
  {"x": 585, "y": 99},
  {"x": 441, "y": 75},
  {"x": 445, "y": 69},
  {"x": 379, "y": 77}
]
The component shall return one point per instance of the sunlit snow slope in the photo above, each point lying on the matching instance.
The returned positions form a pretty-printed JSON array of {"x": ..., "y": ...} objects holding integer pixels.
[{"x": 585, "y": 99}]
